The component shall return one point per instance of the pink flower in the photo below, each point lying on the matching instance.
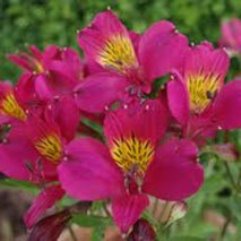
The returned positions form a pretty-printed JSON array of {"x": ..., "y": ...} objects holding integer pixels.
[
  {"x": 33, "y": 149},
  {"x": 197, "y": 96},
  {"x": 123, "y": 63},
  {"x": 231, "y": 35},
  {"x": 133, "y": 165},
  {"x": 11, "y": 107},
  {"x": 48, "y": 74}
]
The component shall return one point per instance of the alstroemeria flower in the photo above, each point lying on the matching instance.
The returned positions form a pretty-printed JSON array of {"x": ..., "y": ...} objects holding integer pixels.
[
  {"x": 53, "y": 72},
  {"x": 34, "y": 148},
  {"x": 197, "y": 96},
  {"x": 231, "y": 35},
  {"x": 123, "y": 63},
  {"x": 11, "y": 108},
  {"x": 132, "y": 165}
]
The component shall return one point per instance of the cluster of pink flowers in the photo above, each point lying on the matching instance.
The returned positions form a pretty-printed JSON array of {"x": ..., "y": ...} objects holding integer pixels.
[{"x": 151, "y": 135}]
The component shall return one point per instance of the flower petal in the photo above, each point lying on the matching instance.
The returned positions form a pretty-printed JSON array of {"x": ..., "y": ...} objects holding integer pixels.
[
  {"x": 174, "y": 174},
  {"x": 129, "y": 121},
  {"x": 226, "y": 108},
  {"x": 204, "y": 60},
  {"x": 106, "y": 41},
  {"x": 19, "y": 159},
  {"x": 46, "y": 199},
  {"x": 89, "y": 173},
  {"x": 161, "y": 49},
  {"x": 231, "y": 34},
  {"x": 127, "y": 210},
  {"x": 65, "y": 112},
  {"x": 99, "y": 91},
  {"x": 178, "y": 100}
]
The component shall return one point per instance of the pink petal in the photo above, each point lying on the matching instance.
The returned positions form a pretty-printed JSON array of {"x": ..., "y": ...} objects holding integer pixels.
[
  {"x": 69, "y": 66},
  {"x": 204, "y": 60},
  {"x": 50, "y": 52},
  {"x": 25, "y": 89},
  {"x": 14, "y": 155},
  {"x": 35, "y": 51},
  {"x": 178, "y": 100},
  {"x": 20, "y": 61},
  {"x": 89, "y": 173},
  {"x": 126, "y": 122},
  {"x": 46, "y": 199},
  {"x": 99, "y": 91},
  {"x": 174, "y": 174},
  {"x": 19, "y": 160},
  {"x": 42, "y": 88},
  {"x": 161, "y": 49},
  {"x": 127, "y": 210},
  {"x": 65, "y": 113},
  {"x": 226, "y": 108},
  {"x": 93, "y": 37},
  {"x": 231, "y": 34}
]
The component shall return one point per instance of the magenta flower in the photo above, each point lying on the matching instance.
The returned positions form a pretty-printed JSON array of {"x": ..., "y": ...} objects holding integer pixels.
[
  {"x": 197, "y": 96},
  {"x": 48, "y": 74},
  {"x": 11, "y": 107},
  {"x": 123, "y": 63},
  {"x": 133, "y": 165},
  {"x": 231, "y": 35},
  {"x": 33, "y": 149}
]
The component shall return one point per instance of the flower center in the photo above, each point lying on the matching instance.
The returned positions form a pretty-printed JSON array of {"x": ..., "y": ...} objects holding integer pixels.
[
  {"x": 50, "y": 147},
  {"x": 202, "y": 89},
  {"x": 118, "y": 53},
  {"x": 9, "y": 106},
  {"x": 38, "y": 67},
  {"x": 132, "y": 153}
]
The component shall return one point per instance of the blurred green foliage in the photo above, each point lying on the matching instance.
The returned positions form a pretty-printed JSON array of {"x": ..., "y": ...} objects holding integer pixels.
[{"x": 42, "y": 22}]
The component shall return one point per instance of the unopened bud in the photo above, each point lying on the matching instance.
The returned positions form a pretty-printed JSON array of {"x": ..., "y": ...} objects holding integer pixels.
[
  {"x": 50, "y": 228},
  {"x": 142, "y": 230}
]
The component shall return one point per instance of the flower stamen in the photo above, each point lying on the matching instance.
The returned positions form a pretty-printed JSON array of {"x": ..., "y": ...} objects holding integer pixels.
[{"x": 132, "y": 152}]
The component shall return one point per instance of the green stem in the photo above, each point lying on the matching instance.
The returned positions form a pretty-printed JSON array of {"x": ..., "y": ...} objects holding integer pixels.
[
  {"x": 224, "y": 229},
  {"x": 231, "y": 178}
]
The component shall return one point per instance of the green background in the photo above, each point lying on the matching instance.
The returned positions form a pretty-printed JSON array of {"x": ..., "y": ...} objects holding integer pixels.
[{"x": 43, "y": 22}]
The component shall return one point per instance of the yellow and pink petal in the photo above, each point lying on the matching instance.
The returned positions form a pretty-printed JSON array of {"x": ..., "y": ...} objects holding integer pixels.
[
  {"x": 107, "y": 42},
  {"x": 88, "y": 173},
  {"x": 204, "y": 71},
  {"x": 132, "y": 144}
]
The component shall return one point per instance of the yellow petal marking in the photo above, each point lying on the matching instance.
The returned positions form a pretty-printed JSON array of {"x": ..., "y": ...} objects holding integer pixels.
[
  {"x": 132, "y": 153},
  {"x": 50, "y": 147},
  {"x": 202, "y": 89},
  {"x": 118, "y": 53},
  {"x": 10, "y": 107}
]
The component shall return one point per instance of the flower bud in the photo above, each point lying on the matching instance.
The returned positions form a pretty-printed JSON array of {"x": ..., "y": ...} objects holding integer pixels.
[
  {"x": 49, "y": 228},
  {"x": 142, "y": 231}
]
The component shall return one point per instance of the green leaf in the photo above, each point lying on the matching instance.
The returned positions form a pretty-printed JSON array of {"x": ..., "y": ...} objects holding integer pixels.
[
  {"x": 91, "y": 221},
  {"x": 10, "y": 183},
  {"x": 187, "y": 238}
]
